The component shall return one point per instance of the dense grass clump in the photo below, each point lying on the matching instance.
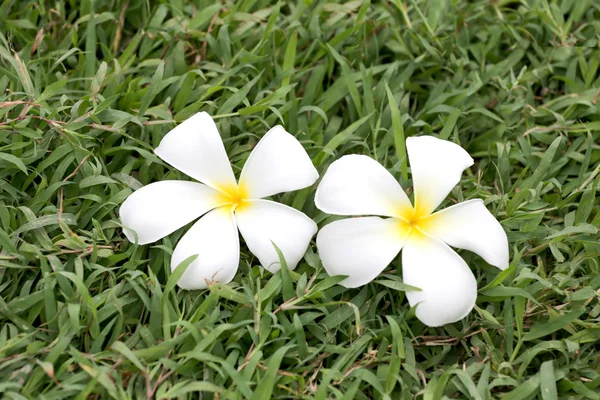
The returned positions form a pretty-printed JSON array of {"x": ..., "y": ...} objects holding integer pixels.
[{"x": 88, "y": 89}]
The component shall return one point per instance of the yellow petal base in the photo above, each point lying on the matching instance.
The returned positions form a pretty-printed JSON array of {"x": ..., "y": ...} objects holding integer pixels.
[{"x": 234, "y": 197}]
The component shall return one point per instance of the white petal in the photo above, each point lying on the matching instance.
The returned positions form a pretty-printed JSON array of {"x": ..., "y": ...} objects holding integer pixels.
[
  {"x": 359, "y": 185},
  {"x": 448, "y": 287},
  {"x": 195, "y": 148},
  {"x": 160, "y": 208},
  {"x": 277, "y": 164},
  {"x": 263, "y": 222},
  {"x": 469, "y": 225},
  {"x": 215, "y": 239},
  {"x": 360, "y": 247},
  {"x": 436, "y": 166}
]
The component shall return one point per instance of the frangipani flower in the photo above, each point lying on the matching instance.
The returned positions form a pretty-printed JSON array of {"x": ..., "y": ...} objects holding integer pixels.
[
  {"x": 362, "y": 247},
  {"x": 277, "y": 164}
]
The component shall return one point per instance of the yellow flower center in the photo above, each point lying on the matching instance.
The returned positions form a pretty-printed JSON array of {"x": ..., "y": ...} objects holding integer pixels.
[
  {"x": 412, "y": 222},
  {"x": 235, "y": 197}
]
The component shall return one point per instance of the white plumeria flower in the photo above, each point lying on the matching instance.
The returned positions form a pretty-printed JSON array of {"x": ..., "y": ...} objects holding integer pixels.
[
  {"x": 277, "y": 164},
  {"x": 361, "y": 248}
]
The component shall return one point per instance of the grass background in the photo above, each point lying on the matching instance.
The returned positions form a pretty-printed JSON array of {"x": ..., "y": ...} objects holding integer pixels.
[{"x": 89, "y": 88}]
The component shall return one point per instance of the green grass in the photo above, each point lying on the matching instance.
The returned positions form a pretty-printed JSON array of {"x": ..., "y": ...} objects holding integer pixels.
[{"x": 87, "y": 91}]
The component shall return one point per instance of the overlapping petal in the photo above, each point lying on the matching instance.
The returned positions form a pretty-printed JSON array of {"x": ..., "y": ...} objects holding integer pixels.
[
  {"x": 263, "y": 223},
  {"x": 158, "y": 209},
  {"x": 195, "y": 148},
  {"x": 215, "y": 239},
  {"x": 470, "y": 226},
  {"x": 360, "y": 247},
  {"x": 277, "y": 164},
  {"x": 448, "y": 287},
  {"x": 436, "y": 166},
  {"x": 359, "y": 185}
]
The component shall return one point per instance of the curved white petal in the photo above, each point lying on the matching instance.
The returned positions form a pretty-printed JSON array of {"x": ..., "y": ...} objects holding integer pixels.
[
  {"x": 436, "y": 166},
  {"x": 469, "y": 225},
  {"x": 277, "y": 164},
  {"x": 448, "y": 287},
  {"x": 215, "y": 239},
  {"x": 156, "y": 210},
  {"x": 195, "y": 148},
  {"x": 263, "y": 222},
  {"x": 359, "y": 185},
  {"x": 360, "y": 247}
]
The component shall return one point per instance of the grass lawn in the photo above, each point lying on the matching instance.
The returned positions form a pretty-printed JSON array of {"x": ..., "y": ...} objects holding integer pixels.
[{"x": 89, "y": 88}]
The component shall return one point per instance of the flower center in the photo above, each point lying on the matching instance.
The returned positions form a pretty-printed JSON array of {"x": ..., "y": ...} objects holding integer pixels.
[
  {"x": 235, "y": 197},
  {"x": 412, "y": 222}
]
